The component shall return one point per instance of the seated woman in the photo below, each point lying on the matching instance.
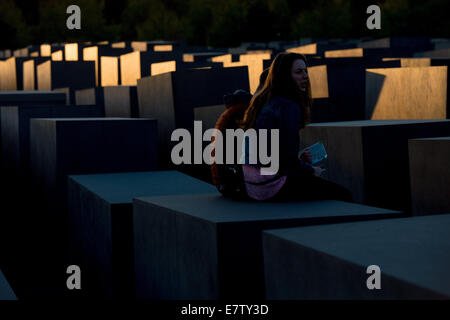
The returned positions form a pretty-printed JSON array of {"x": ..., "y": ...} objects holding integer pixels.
[{"x": 284, "y": 103}]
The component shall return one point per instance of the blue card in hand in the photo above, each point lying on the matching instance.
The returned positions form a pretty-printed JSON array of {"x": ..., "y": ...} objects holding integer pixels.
[{"x": 318, "y": 152}]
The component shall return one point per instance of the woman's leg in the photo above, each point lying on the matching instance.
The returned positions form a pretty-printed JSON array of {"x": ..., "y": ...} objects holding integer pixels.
[{"x": 311, "y": 188}]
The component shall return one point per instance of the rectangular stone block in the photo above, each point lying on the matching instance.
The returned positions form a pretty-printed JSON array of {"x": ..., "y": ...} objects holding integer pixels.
[
  {"x": 253, "y": 61},
  {"x": 172, "y": 97},
  {"x": 193, "y": 247},
  {"x": 110, "y": 71},
  {"x": 30, "y": 72},
  {"x": 15, "y": 131},
  {"x": 121, "y": 101},
  {"x": 370, "y": 158},
  {"x": 331, "y": 261},
  {"x": 406, "y": 93},
  {"x": 101, "y": 213},
  {"x": 61, "y": 147},
  {"x": 74, "y": 75},
  {"x": 413, "y": 43},
  {"x": 136, "y": 65},
  {"x": 91, "y": 96},
  {"x": 95, "y": 53},
  {"x": 373, "y": 53},
  {"x": 200, "y": 56},
  {"x": 430, "y": 175}
]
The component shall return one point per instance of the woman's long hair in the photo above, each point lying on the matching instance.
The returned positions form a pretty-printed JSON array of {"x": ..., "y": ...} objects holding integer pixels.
[{"x": 279, "y": 82}]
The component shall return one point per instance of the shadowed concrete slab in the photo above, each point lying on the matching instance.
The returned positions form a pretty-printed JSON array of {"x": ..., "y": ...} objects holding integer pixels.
[
  {"x": 430, "y": 175},
  {"x": 209, "y": 247},
  {"x": 6, "y": 292},
  {"x": 101, "y": 224},
  {"x": 330, "y": 262},
  {"x": 370, "y": 157},
  {"x": 121, "y": 101},
  {"x": 15, "y": 131}
]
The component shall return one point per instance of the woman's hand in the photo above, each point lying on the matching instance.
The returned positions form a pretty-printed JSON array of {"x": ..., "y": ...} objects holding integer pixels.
[
  {"x": 319, "y": 171},
  {"x": 306, "y": 156}
]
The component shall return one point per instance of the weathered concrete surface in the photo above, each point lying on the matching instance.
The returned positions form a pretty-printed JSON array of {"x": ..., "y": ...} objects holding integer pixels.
[
  {"x": 121, "y": 101},
  {"x": 430, "y": 175},
  {"x": 406, "y": 93},
  {"x": 209, "y": 247},
  {"x": 330, "y": 262},
  {"x": 370, "y": 158},
  {"x": 91, "y": 96},
  {"x": 15, "y": 131},
  {"x": 101, "y": 224}
]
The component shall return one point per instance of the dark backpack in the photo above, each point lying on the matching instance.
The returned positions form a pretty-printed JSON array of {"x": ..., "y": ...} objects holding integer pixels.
[{"x": 228, "y": 178}]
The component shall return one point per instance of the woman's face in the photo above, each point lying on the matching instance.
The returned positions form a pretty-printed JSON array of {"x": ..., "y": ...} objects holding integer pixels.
[{"x": 300, "y": 74}]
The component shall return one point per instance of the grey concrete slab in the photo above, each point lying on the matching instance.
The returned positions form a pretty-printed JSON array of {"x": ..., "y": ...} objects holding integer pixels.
[
  {"x": 60, "y": 147},
  {"x": 91, "y": 96},
  {"x": 101, "y": 223},
  {"x": 6, "y": 292},
  {"x": 370, "y": 157},
  {"x": 15, "y": 131},
  {"x": 430, "y": 175},
  {"x": 121, "y": 101},
  {"x": 61, "y": 74},
  {"x": 172, "y": 97},
  {"x": 331, "y": 261},
  {"x": 209, "y": 247}
]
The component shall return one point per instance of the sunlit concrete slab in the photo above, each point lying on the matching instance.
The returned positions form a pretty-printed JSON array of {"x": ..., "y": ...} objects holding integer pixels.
[
  {"x": 110, "y": 71},
  {"x": 136, "y": 65},
  {"x": 209, "y": 247},
  {"x": 91, "y": 96},
  {"x": 253, "y": 61},
  {"x": 95, "y": 53},
  {"x": 430, "y": 175},
  {"x": 406, "y": 93},
  {"x": 6, "y": 292},
  {"x": 63, "y": 146},
  {"x": 15, "y": 131},
  {"x": 331, "y": 261},
  {"x": 30, "y": 72},
  {"x": 101, "y": 213},
  {"x": 121, "y": 101},
  {"x": 370, "y": 158},
  {"x": 172, "y": 97}
]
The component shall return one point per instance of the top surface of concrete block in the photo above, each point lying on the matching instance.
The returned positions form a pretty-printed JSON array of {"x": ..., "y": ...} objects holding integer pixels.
[
  {"x": 437, "y": 138},
  {"x": 123, "y": 187},
  {"x": 411, "y": 249},
  {"x": 218, "y": 209},
  {"x": 373, "y": 123},
  {"x": 31, "y": 96}
]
